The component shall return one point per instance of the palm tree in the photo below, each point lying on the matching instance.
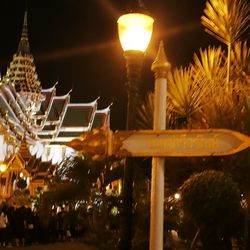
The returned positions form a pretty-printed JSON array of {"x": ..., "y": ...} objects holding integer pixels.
[
  {"x": 222, "y": 109},
  {"x": 227, "y": 21},
  {"x": 198, "y": 96}
]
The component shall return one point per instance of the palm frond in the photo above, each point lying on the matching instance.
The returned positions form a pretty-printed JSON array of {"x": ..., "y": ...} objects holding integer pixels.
[
  {"x": 226, "y": 20},
  {"x": 245, "y": 116},
  {"x": 210, "y": 64},
  {"x": 241, "y": 59},
  {"x": 228, "y": 112},
  {"x": 185, "y": 93},
  {"x": 145, "y": 112}
]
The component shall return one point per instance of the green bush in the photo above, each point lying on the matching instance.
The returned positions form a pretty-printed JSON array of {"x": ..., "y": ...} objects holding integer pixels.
[{"x": 211, "y": 200}]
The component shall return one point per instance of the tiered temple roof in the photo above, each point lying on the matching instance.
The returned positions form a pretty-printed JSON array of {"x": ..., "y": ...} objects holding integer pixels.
[
  {"x": 46, "y": 120},
  {"x": 35, "y": 123}
]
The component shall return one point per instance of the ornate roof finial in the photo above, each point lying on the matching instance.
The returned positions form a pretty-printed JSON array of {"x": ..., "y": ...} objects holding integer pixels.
[
  {"x": 161, "y": 66},
  {"x": 24, "y": 46}
]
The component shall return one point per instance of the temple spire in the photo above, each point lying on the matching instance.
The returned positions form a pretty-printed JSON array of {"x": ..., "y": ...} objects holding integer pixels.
[
  {"x": 22, "y": 73},
  {"x": 24, "y": 46}
]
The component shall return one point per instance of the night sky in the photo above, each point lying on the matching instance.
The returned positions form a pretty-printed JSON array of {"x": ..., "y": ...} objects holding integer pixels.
[{"x": 75, "y": 42}]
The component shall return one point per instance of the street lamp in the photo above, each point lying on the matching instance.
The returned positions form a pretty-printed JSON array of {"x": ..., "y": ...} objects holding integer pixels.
[
  {"x": 135, "y": 30},
  {"x": 3, "y": 167}
]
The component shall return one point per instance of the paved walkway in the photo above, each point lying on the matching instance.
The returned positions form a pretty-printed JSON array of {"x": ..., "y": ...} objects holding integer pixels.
[{"x": 72, "y": 245}]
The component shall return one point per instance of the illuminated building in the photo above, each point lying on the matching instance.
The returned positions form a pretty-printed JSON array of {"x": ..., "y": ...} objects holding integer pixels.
[{"x": 35, "y": 122}]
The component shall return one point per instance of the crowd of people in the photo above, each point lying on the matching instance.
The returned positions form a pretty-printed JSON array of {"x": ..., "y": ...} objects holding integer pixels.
[{"x": 21, "y": 226}]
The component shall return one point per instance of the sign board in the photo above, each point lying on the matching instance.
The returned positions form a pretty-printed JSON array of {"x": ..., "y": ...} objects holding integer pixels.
[
  {"x": 178, "y": 143},
  {"x": 98, "y": 144}
]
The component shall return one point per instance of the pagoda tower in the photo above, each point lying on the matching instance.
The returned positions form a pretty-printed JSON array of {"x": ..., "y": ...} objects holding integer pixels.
[{"x": 22, "y": 74}]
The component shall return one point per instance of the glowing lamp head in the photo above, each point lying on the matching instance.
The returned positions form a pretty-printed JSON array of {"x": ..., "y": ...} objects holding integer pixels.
[
  {"x": 177, "y": 196},
  {"x": 135, "y": 31},
  {"x": 3, "y": 167}
]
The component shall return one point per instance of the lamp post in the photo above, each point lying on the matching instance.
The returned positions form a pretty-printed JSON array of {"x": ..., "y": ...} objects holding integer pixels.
[{"x": 135, "y": 30}]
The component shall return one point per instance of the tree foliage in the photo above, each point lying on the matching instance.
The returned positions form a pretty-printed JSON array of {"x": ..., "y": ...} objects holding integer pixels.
[
  {"x": 211, "y": 197},
  {"x": 75, "y": 178}
]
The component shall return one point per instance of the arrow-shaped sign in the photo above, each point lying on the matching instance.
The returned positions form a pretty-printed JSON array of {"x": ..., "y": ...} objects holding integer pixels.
[
  {"x": 179, "y": 142},
  {"x": 136, "y": 143}
]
